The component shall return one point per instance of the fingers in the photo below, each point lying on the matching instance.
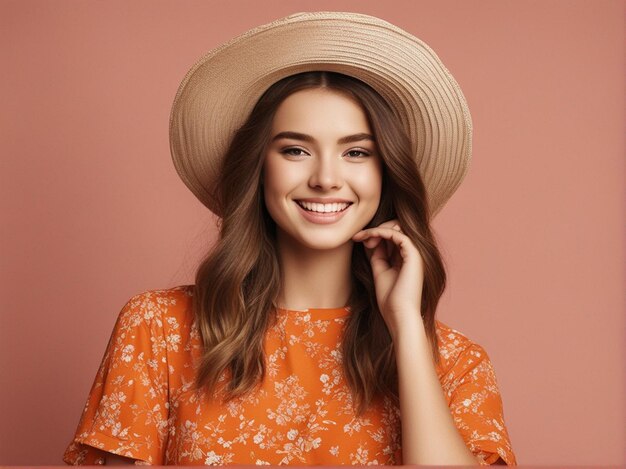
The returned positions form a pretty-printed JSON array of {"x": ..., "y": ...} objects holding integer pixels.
[
  {"x": 379, "y": 261},
  {"x": 393, "y": 224},
  {"x": 404, "y": 254},
  {"x": 378, "y": 248},
  {"x": 393, "y": 250},
  {"x": 396, "y": 237},
  {"x": 396, "y": 226},
  {"x": 369, "y": 232}
]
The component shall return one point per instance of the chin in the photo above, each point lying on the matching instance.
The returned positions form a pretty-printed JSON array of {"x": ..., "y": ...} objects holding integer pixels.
[{"x": 322, "y": 243}]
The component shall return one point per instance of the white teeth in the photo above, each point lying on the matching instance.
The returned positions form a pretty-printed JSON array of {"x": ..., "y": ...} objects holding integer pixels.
[{"x": 323, "y": 208}]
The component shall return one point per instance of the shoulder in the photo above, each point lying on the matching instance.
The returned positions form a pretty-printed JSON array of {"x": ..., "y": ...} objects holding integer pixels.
[
  {"x": 154, "y": 307},
  {"x": 164, "y": 298},
  {"x": 150, "y": 323},
  {"x": 457, "y": 351}
]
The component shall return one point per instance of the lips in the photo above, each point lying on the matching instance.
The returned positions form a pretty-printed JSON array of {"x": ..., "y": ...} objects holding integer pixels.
[
  {"x": 304, "y": 204},
  {"x": 322, "y": 217},
  {"x": 323, "y": 200}
]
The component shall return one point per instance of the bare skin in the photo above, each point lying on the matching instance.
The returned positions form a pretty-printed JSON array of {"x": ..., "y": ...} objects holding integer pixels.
[{"x": 336, "y": 158}]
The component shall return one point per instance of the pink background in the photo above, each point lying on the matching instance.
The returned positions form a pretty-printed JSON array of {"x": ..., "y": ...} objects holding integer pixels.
[{"x": 93, "y": 211}]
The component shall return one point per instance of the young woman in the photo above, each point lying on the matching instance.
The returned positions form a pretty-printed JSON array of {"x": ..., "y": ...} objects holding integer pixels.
[{"x": 309, "y": 336}]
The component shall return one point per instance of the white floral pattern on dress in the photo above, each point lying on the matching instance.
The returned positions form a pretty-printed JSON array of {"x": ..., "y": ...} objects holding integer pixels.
[{"x": 141, "y": 404}]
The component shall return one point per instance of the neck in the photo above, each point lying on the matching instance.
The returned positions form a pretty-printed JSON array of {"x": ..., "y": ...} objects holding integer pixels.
[{"x": 314, "y": 278}]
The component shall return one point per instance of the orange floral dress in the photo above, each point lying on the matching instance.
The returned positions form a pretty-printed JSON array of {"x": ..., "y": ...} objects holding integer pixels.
[{"x": 142, "y": 406}]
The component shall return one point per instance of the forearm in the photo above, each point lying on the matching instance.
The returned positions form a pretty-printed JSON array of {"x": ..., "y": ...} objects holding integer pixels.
[{"x": 429, "y": 435}]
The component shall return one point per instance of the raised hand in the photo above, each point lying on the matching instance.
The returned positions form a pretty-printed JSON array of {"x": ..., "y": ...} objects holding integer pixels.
[{"x": 397, "y": 267}]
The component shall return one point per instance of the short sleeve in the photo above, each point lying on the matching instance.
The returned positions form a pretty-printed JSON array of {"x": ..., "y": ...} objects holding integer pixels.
[
  {"x": 127, "y": 407},
  {"x": 476, "y": 407}
]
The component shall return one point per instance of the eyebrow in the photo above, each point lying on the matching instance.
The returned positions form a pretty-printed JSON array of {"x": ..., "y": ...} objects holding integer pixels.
[{"x": 308, "y": 138}]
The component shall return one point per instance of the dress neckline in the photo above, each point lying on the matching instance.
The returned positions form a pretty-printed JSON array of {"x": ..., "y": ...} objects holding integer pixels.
[{"x": 319, "y": 313}]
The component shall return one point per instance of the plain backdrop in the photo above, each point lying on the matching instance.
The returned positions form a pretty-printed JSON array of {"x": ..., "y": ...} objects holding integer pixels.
[{"x": 93, "y": 211}]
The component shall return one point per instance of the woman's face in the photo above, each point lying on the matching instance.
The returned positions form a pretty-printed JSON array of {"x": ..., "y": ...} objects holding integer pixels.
[{"x": 321, "y": 158}]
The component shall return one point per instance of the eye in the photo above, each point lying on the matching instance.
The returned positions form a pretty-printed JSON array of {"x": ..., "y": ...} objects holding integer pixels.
[
  {"x": 288, "y": 151},
  {"x": 362, "y": 153}
]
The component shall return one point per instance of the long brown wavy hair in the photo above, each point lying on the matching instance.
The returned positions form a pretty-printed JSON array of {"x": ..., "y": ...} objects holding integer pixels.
[{"x": 237, "y": 282}]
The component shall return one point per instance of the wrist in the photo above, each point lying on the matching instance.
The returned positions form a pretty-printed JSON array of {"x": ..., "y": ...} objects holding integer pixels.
[{"x": 409, "y": 332}]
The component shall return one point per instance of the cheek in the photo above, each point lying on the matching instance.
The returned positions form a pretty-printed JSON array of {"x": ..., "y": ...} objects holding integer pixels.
[
  {"x": 281, "y": 179},
  {"x": 273, "y": 183},
  {"x": 377, "y": 185},
  {"x": 369, "y": 184},
  {"x": 276, "y": 188}
]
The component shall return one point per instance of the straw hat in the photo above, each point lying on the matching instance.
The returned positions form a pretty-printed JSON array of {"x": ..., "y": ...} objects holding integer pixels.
[{"x": 219, "y": 91}]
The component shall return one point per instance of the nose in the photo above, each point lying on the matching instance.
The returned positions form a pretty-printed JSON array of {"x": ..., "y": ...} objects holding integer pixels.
[{"x": 326, "y": 173}]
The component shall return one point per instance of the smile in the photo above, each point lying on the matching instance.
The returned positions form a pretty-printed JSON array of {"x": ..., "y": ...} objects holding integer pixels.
[
  {"x": 322, "y": 208},
  {"x": 322, "y": 213}
]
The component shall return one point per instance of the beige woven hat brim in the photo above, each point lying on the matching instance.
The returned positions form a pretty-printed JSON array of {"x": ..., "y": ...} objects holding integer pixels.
[{"x": 220, "y": 90}]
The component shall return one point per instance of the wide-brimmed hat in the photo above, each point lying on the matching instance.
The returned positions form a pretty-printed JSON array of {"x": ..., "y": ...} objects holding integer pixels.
[{"x": 218, "y": 93}]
